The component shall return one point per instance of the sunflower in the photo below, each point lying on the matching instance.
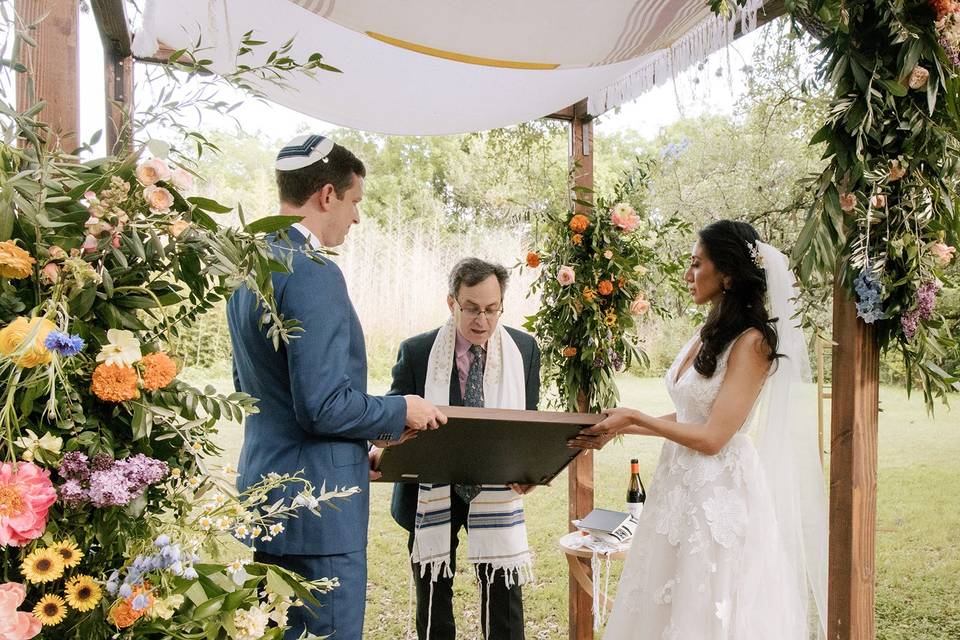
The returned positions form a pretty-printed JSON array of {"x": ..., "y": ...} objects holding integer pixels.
[
  {"x": 69, "y": 552},
  {"x": 43, "y": 565},
  {"x": 83, "y": 593},
  {"x": 50, "y": 610}
]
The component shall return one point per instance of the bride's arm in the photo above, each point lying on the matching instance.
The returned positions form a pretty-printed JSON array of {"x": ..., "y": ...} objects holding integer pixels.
[{"x": 746, "y": 373}]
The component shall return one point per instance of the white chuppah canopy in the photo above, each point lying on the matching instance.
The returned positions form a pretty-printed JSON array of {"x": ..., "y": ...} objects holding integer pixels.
[{"x": 426, "y": 67}]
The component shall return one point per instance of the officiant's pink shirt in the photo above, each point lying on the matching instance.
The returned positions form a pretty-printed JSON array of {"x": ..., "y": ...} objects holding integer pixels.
[{"x": 464, "y": 360}]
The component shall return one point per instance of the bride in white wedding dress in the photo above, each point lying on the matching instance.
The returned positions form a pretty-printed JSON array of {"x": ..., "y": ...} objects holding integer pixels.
[{"x": 731, "y": 543}]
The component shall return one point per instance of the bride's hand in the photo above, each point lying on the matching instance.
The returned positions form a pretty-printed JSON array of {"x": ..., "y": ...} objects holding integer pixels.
[{"x": 597, "y": 436}]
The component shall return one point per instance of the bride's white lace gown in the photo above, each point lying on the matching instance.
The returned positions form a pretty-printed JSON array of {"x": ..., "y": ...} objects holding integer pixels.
[{"x": 706, "y": 561}]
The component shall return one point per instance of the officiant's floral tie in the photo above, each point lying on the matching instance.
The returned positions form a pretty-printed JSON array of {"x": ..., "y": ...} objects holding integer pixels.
[{"x": 473, "y": 397}]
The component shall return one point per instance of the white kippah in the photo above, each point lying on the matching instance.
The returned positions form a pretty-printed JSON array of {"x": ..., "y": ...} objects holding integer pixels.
[{"x": 303, "y": 151}]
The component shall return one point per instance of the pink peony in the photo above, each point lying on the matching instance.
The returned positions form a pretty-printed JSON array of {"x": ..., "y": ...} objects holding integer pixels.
[
  {"x": 624, "y": 217},
  {"x": 943, "y": 251},
  {"x": 26, "y": 494},
  {"x": 159, "y": 199},
  {"x": 15, "y": 625},
  {"x": 152, "y": 170},
  {"x": 566, "y": 276}
]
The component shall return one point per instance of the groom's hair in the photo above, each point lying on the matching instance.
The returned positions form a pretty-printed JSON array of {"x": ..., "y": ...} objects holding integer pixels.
[
  {"x": 337, "y": 168},
  {"x": 472, "y": 271}
]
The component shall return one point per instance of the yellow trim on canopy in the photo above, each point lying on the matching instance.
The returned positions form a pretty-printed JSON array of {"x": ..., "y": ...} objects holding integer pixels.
[{"x": 460, "y": 57}]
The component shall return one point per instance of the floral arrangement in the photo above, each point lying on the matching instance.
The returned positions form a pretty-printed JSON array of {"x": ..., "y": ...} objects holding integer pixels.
[
  {"x": 112, "y": 521},
  {"x": 885, "y": 206},
  {"x": 599, "y": 265}
]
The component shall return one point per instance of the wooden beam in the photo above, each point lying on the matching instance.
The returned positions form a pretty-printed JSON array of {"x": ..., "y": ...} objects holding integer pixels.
[
  {"x": 52, "y": 66},
  {"x": 118, "y": 95},
  {"x": 853, "y": 473},
  {"x": 580, "y": 474},
  {"x": 111, "y": 17}
]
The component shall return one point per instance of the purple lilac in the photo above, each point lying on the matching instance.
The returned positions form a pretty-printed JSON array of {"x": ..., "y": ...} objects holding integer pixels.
[
  {"x": 74, "y": 466},
  {"x": 926, "y": 297},
  {"x": 110, "y": 488},
  {"x": 143, "y": 471},
  {"x": 101, "y": 462},
  {"x": 72, "y": 494}
]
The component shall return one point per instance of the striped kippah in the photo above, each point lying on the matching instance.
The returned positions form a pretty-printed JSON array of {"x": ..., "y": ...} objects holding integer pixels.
[{"x": 303, "y": 151}]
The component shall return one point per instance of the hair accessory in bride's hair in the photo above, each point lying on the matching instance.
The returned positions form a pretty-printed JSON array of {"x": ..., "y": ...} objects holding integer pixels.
[{"x": 755, "y": 255}]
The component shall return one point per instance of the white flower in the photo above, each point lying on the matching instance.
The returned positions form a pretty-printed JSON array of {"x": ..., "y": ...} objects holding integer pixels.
[
  {"x": 122, "y": 348},
  {"x": 307, "y": 500},
  {"x": 241, "y": 531},
  {"x": 251, "y": 624},
  {"x": 205, "y": 523},
  {"x": 36, "y": 445},
  {"x": 276, "y": 529}
]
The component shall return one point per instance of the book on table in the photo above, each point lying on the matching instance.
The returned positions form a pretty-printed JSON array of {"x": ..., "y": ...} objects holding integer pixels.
[
  {"x": 488, "y": 446},
  {"x": 607, "y": 525}
]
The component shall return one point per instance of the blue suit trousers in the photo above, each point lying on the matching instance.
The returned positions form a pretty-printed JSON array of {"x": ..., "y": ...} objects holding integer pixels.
[{"x": 342, "y": 609}]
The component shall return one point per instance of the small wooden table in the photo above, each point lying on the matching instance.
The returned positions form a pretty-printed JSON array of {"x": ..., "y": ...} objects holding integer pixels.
[{"x": 579, "y": 559}]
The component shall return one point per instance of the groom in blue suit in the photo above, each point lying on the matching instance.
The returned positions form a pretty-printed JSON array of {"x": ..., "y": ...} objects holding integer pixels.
[{"x": 315, "y": 414}]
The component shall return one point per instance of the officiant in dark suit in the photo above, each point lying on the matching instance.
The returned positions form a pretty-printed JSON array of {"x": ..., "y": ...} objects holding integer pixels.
[
  {"x": 315, "y": 416},
  {"x": 470, "y": 361}
]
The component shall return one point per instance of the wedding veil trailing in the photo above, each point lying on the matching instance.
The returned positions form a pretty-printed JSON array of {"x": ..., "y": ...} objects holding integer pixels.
[{"x": 788, "y": 447}]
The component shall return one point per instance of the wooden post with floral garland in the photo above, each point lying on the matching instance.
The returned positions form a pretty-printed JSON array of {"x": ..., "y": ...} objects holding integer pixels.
[
  {"x": 580, "y": 474},
  {"x": 52, "y": 65},
  {"x": 853, "y": 473}
]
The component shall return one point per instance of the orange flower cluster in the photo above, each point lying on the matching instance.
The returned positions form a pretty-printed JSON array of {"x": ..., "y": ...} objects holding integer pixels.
[
  {"x": 605, "y": 287},
  {"x": 577, "y": 239},
  {"x": 158, "y": 371},
  {"x": 123, "y": 614},
  {"x": 943, "y": 7},
  {"x": 579, "y": 223},
  {"x": 589, "y": 294},
  {"x": 533, "y": 260},
  {"x": 113, "y": 383},
  {"x": 569, "y": 352}
]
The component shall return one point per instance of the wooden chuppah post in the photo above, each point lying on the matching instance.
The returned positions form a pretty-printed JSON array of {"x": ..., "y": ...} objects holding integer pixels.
[
  {"x": 112, "y": 23},
  {"x": 52, "y": 66},
  {"x": 580, "y": 473},
  {"x": 853, "y": 473}
]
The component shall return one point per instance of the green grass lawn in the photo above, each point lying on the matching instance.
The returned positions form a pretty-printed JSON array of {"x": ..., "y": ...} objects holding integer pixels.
[{"x": 918, "y": 563}]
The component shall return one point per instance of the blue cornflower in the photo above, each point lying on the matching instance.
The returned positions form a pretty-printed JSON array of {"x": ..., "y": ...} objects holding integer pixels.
[{"x": 64, "y": 344}]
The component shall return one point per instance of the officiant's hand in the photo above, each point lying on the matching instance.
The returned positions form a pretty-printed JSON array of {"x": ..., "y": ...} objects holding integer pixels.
[
  {"x": 597, "y": 436},
  {"x": 422, "y": 415},
  {"x": 374, "y": 456},
  {"x": 408, "y": 434}
]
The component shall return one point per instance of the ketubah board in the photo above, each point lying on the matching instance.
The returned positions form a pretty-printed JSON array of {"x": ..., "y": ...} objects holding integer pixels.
[{"x": 487, "y": 446}]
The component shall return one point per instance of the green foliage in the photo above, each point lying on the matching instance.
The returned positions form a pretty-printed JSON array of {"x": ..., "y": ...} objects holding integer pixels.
[{"x": 888, "y": 194}]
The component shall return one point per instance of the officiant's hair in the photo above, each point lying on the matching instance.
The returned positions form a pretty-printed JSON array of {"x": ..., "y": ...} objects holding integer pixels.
[
  {"x": 472, "y": 271},
  {"x": 742, "y": 306},
  {"x": 337, "y": 168}
]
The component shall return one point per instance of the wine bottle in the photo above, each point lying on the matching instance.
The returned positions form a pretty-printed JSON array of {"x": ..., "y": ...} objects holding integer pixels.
[{"x": 636, "y": 495}]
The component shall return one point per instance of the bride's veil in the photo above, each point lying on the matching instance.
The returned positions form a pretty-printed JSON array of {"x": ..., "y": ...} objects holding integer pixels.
[{"x": 788, "y": 446}]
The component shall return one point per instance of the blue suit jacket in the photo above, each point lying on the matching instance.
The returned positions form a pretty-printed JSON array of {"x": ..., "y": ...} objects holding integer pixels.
[{"x": 315, "y": 414}]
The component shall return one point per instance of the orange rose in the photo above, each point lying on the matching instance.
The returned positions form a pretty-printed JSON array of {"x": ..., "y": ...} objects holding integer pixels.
[
  {"x": 115, "y": 383},
  {"x": 579, "y": 223},
  {"x": 533, "y": 260},
  {"x": 158, "y": 371},
  {"x": 14, "y": 336},
  {"x": 569, "y": 352},
  {"x": 123, "y": 615},
  {"x": 605, "y": 287}
]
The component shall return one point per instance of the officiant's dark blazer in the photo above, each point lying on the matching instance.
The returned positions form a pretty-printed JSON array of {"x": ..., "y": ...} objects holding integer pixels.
[{"x": 409, "y": 376}]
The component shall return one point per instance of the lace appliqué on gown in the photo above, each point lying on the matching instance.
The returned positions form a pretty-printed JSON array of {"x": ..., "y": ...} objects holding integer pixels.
[{"x": 704, "y": 561}]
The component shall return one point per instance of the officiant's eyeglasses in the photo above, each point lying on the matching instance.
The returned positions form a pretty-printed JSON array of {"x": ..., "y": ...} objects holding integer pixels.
[{"x": 473, "y": 313}]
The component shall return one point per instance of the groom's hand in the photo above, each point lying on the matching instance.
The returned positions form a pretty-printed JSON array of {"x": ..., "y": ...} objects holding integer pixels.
[{"x": 422, "y": 415}]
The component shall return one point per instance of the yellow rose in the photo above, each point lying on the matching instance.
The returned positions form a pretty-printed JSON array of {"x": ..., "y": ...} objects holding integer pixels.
[
  {"x": 13, "y": 336},
  {"x": 15, "y": 263}
]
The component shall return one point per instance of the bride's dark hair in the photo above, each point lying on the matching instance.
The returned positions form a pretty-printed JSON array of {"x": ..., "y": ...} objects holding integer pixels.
[{"x": 742, "y": 305}]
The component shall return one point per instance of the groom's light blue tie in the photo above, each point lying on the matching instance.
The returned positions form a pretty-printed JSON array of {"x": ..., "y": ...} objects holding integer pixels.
[{"x": 472, "y": 397}]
